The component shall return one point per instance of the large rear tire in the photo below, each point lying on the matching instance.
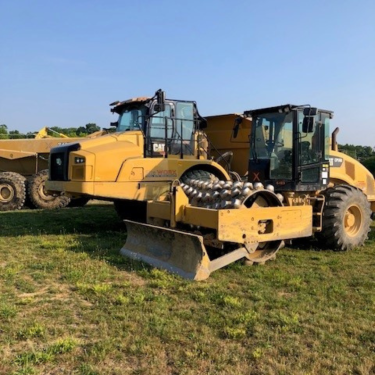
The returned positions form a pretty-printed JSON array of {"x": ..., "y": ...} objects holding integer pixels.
[
  {"x": 12, "y": 191},
  {"x": 346, "y": 218},
  {"x": 39, "y": 196}
]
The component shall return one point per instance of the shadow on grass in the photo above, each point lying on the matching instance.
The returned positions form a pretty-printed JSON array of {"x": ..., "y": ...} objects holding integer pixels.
[
  {"x": 85, "y": 220},
  {"x": 98, "y": 231},
  {"x": 371, "y": 235},
  {"x": 95, "y": 230},
  {"x": 306, "y": 244},
  {"x": 312, "y": 244}
]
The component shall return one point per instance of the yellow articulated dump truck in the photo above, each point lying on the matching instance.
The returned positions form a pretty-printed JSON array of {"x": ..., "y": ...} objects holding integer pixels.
[
  {"x": 187, "y": 213},
  {"x": 157, "y": 141},
  {"x": 23, "y": 172}
]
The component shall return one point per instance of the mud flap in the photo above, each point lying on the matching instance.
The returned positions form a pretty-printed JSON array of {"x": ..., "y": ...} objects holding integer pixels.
[{"x": 173, "y": 250}]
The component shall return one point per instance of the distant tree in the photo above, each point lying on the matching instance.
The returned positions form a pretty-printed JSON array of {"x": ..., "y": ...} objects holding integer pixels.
[
  {"x": 81, "y": 131},
  {"x": 363, "y": 152},
  {"x": 92, "y": 128},
  {"x": 3, "y": 131},
  {"x": 15, "y": 134},
  {"x": 369, "y": 163},
  {"x": 30, "y": 135},
  {"x": 74, "y": 132},
  {"x": 357, "y": 152},
  {"x": 349, "y": 150}
]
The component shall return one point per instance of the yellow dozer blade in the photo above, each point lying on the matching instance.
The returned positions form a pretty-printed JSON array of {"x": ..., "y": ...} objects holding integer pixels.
[{"x": 178, "y": 252}]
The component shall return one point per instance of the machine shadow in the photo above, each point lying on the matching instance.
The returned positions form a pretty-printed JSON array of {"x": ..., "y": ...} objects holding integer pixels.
[
  {"x": 95, "y": 230},
  {"x": 85, "y": 220},
  {"x": 312, "y": 244},
  {"x": 306, "y": 244}
]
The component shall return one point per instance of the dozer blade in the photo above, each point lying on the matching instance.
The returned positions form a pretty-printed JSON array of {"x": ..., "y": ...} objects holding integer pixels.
[{"x": 176, "y": 251}]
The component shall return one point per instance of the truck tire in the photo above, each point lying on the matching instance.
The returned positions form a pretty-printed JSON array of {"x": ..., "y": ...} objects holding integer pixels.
[
  {"x": 346, "y": 218},
  {"x": 12, "y": 191},
  {"x": 38, "y": 195}
]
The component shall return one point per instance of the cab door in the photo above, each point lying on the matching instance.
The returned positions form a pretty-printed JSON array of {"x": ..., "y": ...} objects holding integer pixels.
[
  {"x": 160, "y": 132},
  {"x": 312, "y": 166}
]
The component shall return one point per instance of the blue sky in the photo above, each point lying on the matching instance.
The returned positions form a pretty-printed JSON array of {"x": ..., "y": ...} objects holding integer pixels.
[{"x": 63, "y": 62}]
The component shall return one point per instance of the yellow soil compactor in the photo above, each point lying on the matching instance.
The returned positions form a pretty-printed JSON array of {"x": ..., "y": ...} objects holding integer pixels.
[{"x": 187, "y": 213}]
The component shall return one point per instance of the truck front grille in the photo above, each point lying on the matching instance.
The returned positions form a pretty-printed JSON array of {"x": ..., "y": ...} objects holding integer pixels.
[
  {"x": 58, "y": 167},
  {"x": 59, "y": 161}
]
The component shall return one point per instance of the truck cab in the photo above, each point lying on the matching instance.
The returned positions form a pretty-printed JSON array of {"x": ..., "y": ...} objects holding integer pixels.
[
  {"x": 289, "y": 147},
  {"x": 168, "y": 126}
]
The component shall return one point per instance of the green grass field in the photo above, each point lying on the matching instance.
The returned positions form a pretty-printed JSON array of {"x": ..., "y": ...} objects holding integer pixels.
[{"x": 70, "y": 304}]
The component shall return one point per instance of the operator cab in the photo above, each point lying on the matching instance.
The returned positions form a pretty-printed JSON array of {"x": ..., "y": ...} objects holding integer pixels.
[
  {"x": 169, "y": 126},
  {"x": 289, "y": 147}
]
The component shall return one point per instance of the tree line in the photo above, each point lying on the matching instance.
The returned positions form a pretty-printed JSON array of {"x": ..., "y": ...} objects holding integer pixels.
[
  {"x": 364, "y": 154},
  {"x": 56, "y": 131},
  {"x": 358, "y": 152}
]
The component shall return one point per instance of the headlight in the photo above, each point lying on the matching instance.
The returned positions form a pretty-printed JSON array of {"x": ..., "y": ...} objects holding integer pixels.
[{"x": 78, "y": 160}]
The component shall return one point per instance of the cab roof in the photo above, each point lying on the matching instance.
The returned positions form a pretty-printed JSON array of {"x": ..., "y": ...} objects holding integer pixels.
[
  {"x": 117, "y": 105},
  {"x": 281, "y": 108}
]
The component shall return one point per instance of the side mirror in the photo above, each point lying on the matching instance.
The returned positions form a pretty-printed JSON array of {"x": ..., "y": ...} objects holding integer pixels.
[
  {"x": 160, "y": 101},
  {"x": 114, "y": 124},
  {"x": 308, "y": 124},
  {"x": 236, "y": 127}
]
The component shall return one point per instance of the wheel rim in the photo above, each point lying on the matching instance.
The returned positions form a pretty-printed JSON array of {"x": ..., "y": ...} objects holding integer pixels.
[
  {"x": 352, "y": 220},
  {"x": 43, "y": 194},
  {"x": 6, "y": 193}
]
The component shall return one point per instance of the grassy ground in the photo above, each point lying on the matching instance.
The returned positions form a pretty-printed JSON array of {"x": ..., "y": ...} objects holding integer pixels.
[{"x": 69, "y": 304}]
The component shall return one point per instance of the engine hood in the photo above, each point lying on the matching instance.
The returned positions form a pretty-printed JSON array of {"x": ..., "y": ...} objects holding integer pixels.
[{"x": 106, "y": 155}]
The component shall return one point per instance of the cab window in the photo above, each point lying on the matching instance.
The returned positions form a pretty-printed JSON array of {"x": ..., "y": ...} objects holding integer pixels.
[
  {"x": 132, "y": 119},
  {"x": 159, "y": 121},
  {"x": 185, "y": 120},
  {"x": 310, "y": 147}
]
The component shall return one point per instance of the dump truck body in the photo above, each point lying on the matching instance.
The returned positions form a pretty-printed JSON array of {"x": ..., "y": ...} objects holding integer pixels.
[
  {"x": 23, "y": 166},
  {"x": 27, "y": 156}
]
